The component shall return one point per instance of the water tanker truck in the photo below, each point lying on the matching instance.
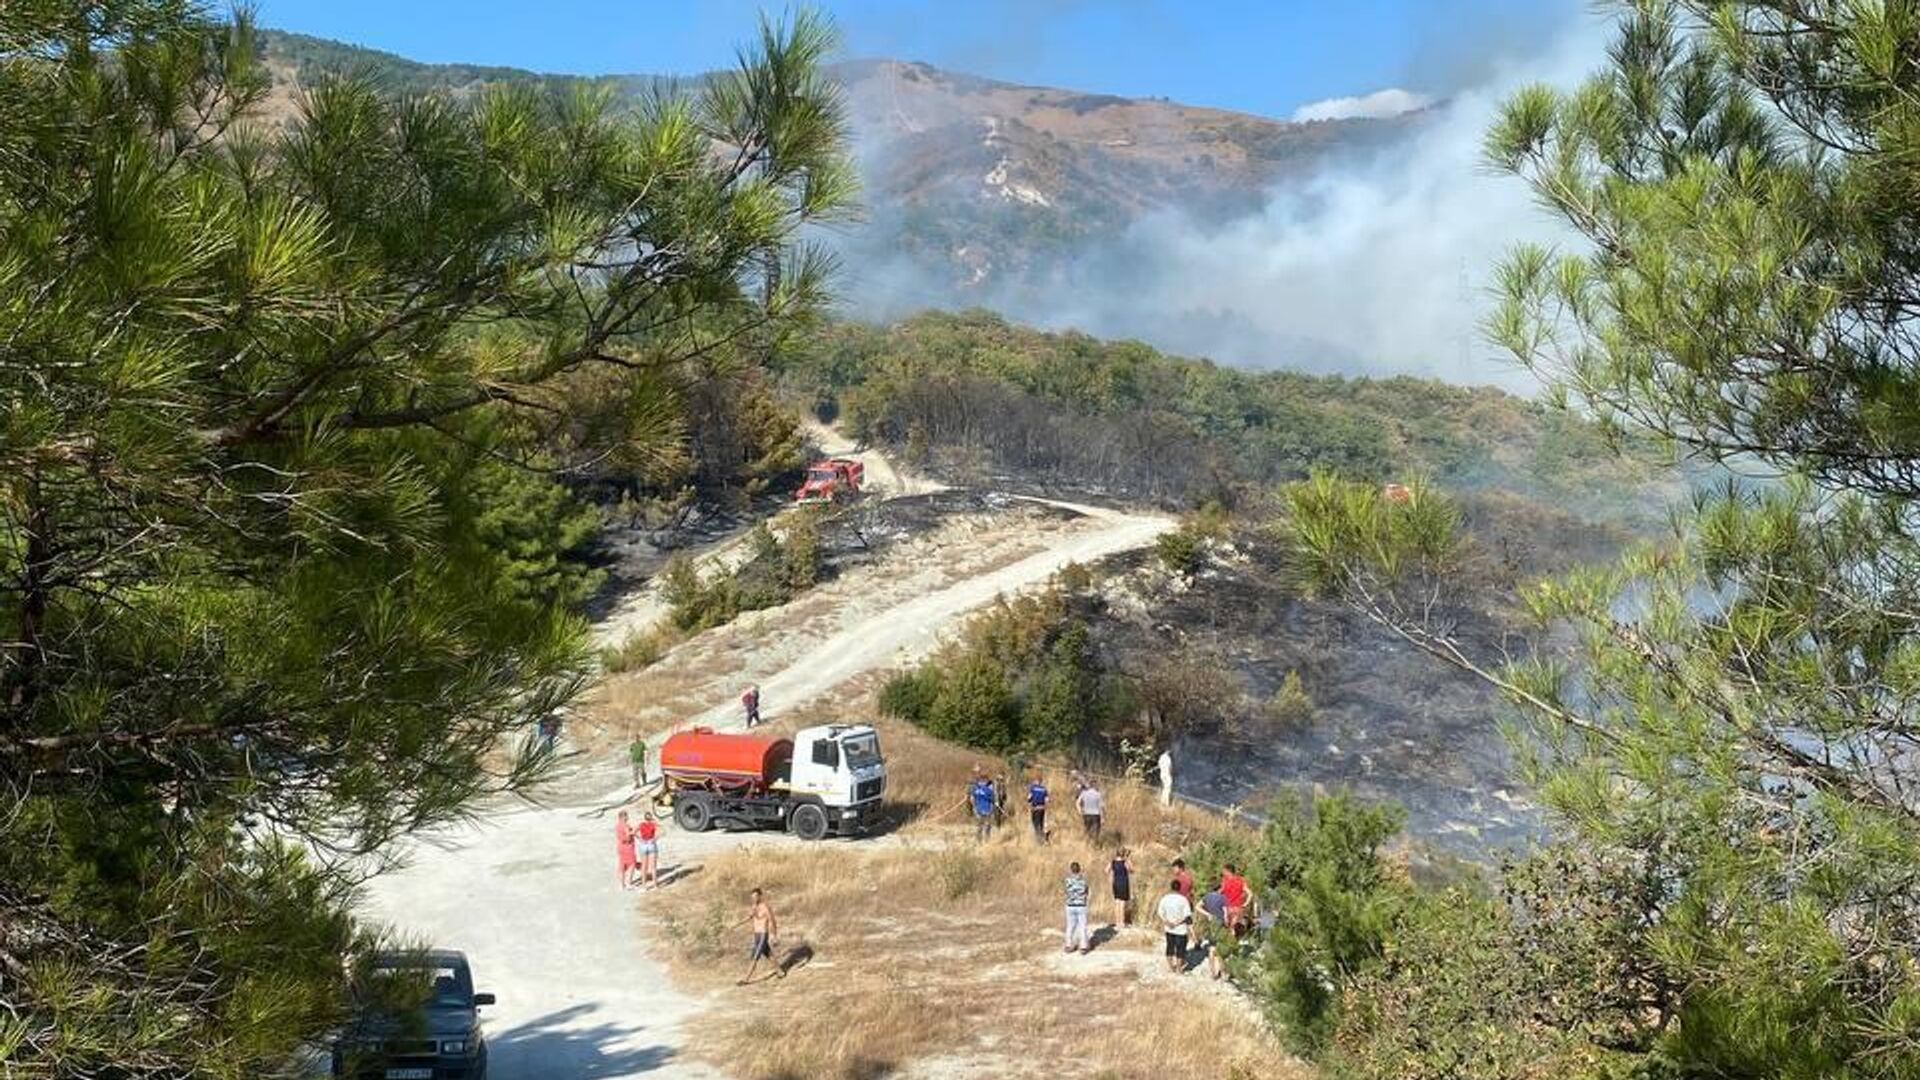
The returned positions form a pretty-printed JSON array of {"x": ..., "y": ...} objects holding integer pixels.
[{"x": 826, "y": 779}]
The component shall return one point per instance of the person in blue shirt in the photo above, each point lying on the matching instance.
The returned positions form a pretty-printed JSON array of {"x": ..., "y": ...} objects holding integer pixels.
[
  {"x": 981, "y": 795},
  {"x": 1037, "y": 808}
]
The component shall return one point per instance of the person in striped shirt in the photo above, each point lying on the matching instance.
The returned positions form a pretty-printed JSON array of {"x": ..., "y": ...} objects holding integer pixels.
[{"x": 1077, "y": 895}]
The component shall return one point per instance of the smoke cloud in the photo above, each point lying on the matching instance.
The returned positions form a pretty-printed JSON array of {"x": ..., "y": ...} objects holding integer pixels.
[
  {"x": 1372, "y": 265},
  {"x": 1378, "y": 105}
]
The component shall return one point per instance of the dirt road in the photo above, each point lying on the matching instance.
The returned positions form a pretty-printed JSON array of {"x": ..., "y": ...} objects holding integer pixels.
[
  {"x": 910, "y": 630},
  {"x": 530, "y": 894}
]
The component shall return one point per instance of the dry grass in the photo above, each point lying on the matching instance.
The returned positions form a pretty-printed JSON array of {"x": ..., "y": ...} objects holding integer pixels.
[{"x": 924, "y": 953}]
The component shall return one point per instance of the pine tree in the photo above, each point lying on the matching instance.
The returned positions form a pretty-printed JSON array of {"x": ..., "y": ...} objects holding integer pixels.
[
  {"x": 1736, "y": 728},
  {"x": 257, "y": 618}
]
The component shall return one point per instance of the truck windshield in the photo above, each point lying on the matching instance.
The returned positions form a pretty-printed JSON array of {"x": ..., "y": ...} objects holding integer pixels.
[
  {"x": 820, "y": 476},
  {"x": 861, "y": 751}
]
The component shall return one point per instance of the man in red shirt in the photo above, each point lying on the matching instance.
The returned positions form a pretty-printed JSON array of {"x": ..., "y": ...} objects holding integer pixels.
[
  {"x": 1233, "y": 888},
  {"x": 1182, "y": 881}
]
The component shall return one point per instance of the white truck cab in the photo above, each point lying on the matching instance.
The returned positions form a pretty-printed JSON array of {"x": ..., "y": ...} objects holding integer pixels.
[{"x": 840, "y": 766}]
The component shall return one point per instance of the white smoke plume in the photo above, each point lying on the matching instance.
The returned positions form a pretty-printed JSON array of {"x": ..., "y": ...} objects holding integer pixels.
[
  {"x": 1377, "y": 265},
  {"x": 1379, "y": 105}
]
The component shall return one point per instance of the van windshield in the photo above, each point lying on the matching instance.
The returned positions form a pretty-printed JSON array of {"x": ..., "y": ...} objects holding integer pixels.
[
  {"x": 861, "y": 751},
  {"x": 820, "y": 476}
]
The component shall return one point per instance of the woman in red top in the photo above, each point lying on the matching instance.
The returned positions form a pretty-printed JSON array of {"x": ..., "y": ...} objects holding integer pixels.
[
  {"x": 649, "y": 851},
  {"x": 623, "y": 846}
]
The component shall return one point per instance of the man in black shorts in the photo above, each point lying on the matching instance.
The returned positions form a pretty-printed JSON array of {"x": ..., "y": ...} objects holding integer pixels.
[
  {"x": 766, "y": 934},
  {"x": 1176, "y": 918}
]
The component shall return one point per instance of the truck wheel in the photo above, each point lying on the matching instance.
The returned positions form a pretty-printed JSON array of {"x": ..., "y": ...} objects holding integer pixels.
[
  {"x": 693, "y": 815},
  {"x": 809, "y": 822}
]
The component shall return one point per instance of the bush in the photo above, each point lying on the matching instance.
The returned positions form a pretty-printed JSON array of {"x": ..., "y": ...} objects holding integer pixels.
[
  {"x": 1075, "y": 579},
  {"x": 1291, "y": 706},
  {"x": 641, "y": 649},
  {"x": 536, "y": 533},
  {"x": 1191, "y": 689},
  {"x": 1179, "y": 550},
  {"x": 1541, "y": 980},
  {"x": 1023, "y": 677},
  {"x": 975, "y": 706},
  {"x": 777, "y": 569},
  {"x": 909, "y": 695},
  {"x": 800, "y": 552}
]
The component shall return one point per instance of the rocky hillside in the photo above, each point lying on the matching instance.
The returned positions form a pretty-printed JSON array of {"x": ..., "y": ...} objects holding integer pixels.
[
  {"x": 981, "y": 179},
  {"x": 975, "y": 182}
]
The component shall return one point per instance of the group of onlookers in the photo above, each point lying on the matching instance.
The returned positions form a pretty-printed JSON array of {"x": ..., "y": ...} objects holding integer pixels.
[{"x": 1213, "y": 922}]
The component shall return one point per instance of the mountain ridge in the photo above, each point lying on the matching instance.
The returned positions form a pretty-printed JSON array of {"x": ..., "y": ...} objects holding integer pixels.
[{"x": 973, "y": 183}]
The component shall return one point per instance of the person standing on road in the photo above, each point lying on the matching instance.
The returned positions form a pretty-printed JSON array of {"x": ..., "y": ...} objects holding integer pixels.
[
  {"x": 1092, "y": 805},
  {"x": 647, "y": 848},
  {"x": 1077, "y": 896},
  {"x": 623, "y": 848},
  {"x": 1120, "y": 877},
  {"x": 1037, "y": 807},
  {"x": 766, "y": 934},
  {"x": 750, "y": 701},
  {"x": 981, "y": 795},
  {"x": 1176, "y": 918},
  {"x": 1166, "y": 777},
  {"x": 637, "y": 757}
]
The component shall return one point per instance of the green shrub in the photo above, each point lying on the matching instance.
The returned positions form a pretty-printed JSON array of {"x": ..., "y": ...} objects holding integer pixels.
[
  {"x": 1540, "y": 980},
  {"x": 1022, "y": 678},
  {"x": 1291, "y": 706},
  {"x": 1063, "y": 697},
  {"x": 778, "y": 568},
  {"x": 535, "y": 532},
  {"x": 909, "y": 695},
  {"x": 975, "y": 705},
  {"x": 641, "y": 649},
  {"x": 1179, "y": 550},
  {"x": 801, "y": 555},
  {"x": 1075, "y": 579}
]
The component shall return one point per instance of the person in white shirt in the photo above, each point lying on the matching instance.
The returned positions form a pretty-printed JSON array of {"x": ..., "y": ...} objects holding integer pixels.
[
  {"x": 1166, "y": 777},
  {"x": 1176, "y": 918},
  {"x": 1092, "y": 804}
]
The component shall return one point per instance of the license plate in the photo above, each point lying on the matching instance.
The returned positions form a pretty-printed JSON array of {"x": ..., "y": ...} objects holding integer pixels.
[{"x": 409, "y": 1074}]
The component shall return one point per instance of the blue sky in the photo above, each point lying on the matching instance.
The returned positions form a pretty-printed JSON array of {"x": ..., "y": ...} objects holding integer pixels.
[{"x": 1241, "y": 54}]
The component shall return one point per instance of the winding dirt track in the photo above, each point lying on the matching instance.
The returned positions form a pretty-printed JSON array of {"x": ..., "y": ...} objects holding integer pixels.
[{"x": 529, "y": 892}]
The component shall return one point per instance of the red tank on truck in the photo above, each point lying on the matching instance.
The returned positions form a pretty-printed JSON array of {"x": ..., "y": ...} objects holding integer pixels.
[{"x": 826, "y": 780}]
